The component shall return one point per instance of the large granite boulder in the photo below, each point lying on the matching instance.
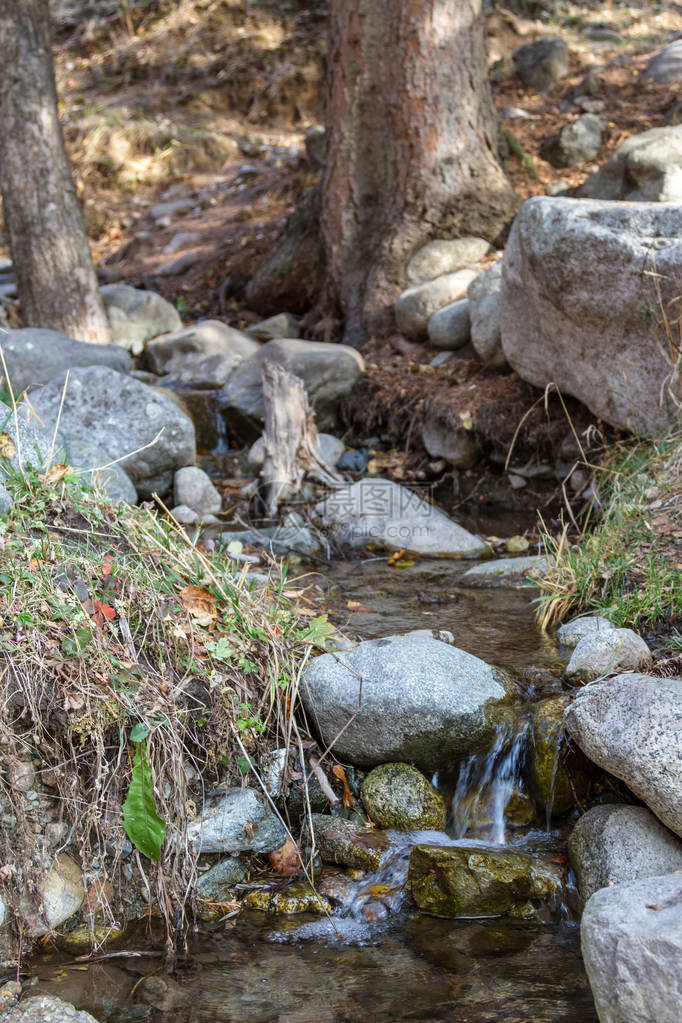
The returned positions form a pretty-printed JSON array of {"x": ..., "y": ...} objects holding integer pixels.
[
  {"x": 171, "y": 352},
  {"x": 34, "y": 356},
  {"x": 607, "y": 650},
  {"x": 329, "y": 372},
  {"x": 631, "y": 725},
  {"x": 618, "y": 844},
  {"x": 666, "y": 65},
  {"x": 569, "y": 264},
  {"x": 405, "y": 699},
  {"x": 384, "y": 514},
  {"x": 631, "y": 937},
  {"x": 646, "y": 167},
  {"x": 141, "y": 425},
  {"x": 135, "y": 315}
]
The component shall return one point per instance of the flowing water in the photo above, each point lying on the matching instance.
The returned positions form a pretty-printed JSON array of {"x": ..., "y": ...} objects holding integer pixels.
[{"x": 377, "y": 959}]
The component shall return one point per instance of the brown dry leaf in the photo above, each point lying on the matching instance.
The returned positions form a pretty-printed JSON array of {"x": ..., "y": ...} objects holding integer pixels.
[
  {"x": 250, "y": 829},
  {"x": 339, "y": 773},
  {"x": 286, "y": 860},
  {"x": 355, "y": 605},
  {"x": 200, "y": 604},
  {"x": 56, "y": 473},
  {"x": 7, "y": 446},
  {"x": 73, "y": 701}
]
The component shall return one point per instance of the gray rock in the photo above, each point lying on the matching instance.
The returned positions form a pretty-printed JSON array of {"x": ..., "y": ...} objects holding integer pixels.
[
  {"x": 5, "y": 500},
  {"x": 45, "y": 1009},
  {"x": 563, "y": 257},
  {"x": 60, "y": 895},
  {"x": 382, "y": 513},
  {"x": 541, "y": 62},
  {"x": 399, "y": 796},
  {"x": 484, "y": 310},
  {"x": 331, "y": 449},
  {"x": 329, "y": 371},
  {"x": 570, "y": 634},
  {"x": 281, "y": 326},
  {"x": 673, "y": 115},
  {"x": 180, "y": 240},
  {"x": 352, "y": 845},
  {"x": 450, "y": 327},
  {"x": 171, "y": 208},
  {"x": 316, "y": 147},
  {"x": 236, "y": 822},
  {"x": 168, "y": 354},
  {"x": 185, "y": 515},
  {"x": 455, "y": 444},
  {"x": 631, "y": 725},
  {"x": 646, "y": 167},
  {"x": 415, "y": 307},
  {"x": 199, "y": 373},
  {"x": 506, "y": 572},
  {"x": 213, "y": 885},
  {"x": 404, "y": 698},
  {"x": 577, "y": 142},
  {"x": 619, "y": 844},
  {"x": 192, "y": 486},
  {"x": 607, "y": 650},
  {"x": 280, "y": 540},
  {"x": 443, "y": 257},
  {"x": 666, "y": 65},
  {"x": 177, "y": 266},
  {"x": 127, "y": 419},
  {"x": 32, "y": 444},
  {"x": 35, "y": 355},
  {"x": 631, "y": 937},
  {"x": 136, "y": 316},
  {"x": 90, "y": 459}
]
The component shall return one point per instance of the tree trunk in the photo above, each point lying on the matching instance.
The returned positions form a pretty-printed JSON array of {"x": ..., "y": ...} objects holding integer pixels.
[
  {"x": 411, "y": 147},
  {"x": 56, "y": 280}
]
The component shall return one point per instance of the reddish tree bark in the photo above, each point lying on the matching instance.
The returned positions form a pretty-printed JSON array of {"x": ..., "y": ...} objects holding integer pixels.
[{"x": 411, "y": 147}]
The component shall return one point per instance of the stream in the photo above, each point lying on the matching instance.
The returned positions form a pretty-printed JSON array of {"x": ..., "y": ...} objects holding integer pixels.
[{"x": 392, "y": 963}]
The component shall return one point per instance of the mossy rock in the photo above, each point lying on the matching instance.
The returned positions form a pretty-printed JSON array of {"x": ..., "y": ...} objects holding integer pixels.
[
  {"x": 349, "y": 844},
  {"x": 471, "y": 881},
  {"x": 550, "y": 779},
  {"x": 518, "y": 813},
  {"x": 295, "y": 898},
  {"x": 399, "y": 796},
  {"x": 82, "y": 939}
]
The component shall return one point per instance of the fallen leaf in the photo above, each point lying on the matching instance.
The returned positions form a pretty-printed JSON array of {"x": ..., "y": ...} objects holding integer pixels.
[
  {"x": 379, "y": 890},
  {"x": 355, "y": 605},
  {"x": 250, "y": 829},
  {"x": 56, "y": 473},
  {"x": 200, "y": 604},
  {"x": 7, "y": 446},
  {"x": 339, "y": 773},
  {"x": 286, "y": 860}
]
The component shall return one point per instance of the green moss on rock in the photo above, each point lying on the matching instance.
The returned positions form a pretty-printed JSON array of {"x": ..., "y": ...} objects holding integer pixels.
[
  {"x": 296, "y": 898},
  {"x": 550, "y": 779},
  {"x": 399, "y": 796},
  {"x": 349, "y": 844}
]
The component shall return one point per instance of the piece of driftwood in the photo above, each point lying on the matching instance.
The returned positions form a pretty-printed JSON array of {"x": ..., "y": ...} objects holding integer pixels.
[{"x": 290, "y": 438}]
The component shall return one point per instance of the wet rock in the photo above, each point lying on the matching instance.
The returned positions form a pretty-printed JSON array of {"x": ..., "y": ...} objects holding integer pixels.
[
  {"x": 619, "y": 844},
  {"x": 88, "y": 459},
  {"x": 630, "y": 725},
  {"x": 281, "y": 326},
  {"x": 506, "y": 572},
  {"x": 129, "y": 420},
  {"x": 423, "y": 701},
  {"x": 216, "y": 884},
  {"x": 61, "y": 895},
  {"x": 607, "y": 650},
  {"x": 35, "y": 355},
  {"x": 631, "y": 938},
  {"x": 84, "y": 938},
  {"x": 135, "y": 316},
  {"x": 329, "y": 371},
  {"x": 477, "y": 880},
  {"x": 384, "y": 514},
  {"x": 570, "y": 634},
  {"x": 351, "y": 845},
  {"x": 192, "y": 487},
  {"x": 45, "y": 1009},
  {"x": 443, "y": 257},
  {"x": 331, "y": 449},
  {"x": 415, "y": 307},
  {"x": 456, "y": 445},
  {"x": 549, "y": 778},
  {"x": 236, "y": 822},
  {"x": 171, "y": 353},
  {"x": 577, "y": 142},
  {"x": 163, "y": 993},
  {"x": 399, "y": 796},
  {"x": 563, "y": 256},
  {"x": 295, "y": 898},
  {"x": 484, "y": 310},
  {"x": 450, "y": 328},
  {"x": 666, "y": 65},
  {"x": 541, "y": 62},
  {"x": 646, "y": 167}
]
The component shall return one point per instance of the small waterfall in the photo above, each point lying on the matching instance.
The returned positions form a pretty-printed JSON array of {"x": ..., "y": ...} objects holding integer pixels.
[{"x": 486, "y": 784}]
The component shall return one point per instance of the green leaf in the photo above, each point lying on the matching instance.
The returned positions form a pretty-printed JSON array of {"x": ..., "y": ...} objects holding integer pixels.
[
  {"x": 139, "y": 732},
  {"x": 318, "y": 631},
  {"x": 141, "y": 822}
]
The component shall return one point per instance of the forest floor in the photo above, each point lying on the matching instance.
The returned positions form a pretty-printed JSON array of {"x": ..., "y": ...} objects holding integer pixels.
[{"x": 204, "y": 104}]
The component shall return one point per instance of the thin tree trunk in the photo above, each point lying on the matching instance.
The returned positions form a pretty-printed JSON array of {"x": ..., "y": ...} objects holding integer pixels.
[
  {"x": 411, "y": 147},
  {"x": 56, "y": 280}
]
